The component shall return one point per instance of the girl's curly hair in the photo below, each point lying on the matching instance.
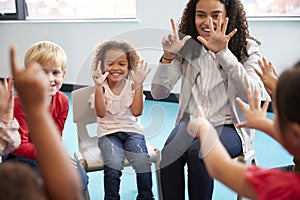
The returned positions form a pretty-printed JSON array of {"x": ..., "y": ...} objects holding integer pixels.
[
  {"x": 101, "y": 49},
  {"x": 237, "y": 19}
]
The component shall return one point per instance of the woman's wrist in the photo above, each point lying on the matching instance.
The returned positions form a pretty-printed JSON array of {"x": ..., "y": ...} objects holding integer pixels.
[
  {"x": 167, "y": 58},
  {"x": 170, "y": 58}
]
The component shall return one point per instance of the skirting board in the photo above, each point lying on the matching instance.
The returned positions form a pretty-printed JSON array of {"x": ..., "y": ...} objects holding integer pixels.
[{"x": 172, "y": 98}]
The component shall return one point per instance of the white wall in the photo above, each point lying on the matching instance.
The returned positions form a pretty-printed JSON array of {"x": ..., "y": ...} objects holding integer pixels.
[{"x": 280, "y": 39}]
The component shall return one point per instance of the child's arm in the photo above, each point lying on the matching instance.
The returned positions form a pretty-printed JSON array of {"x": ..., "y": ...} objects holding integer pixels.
[
  {"x": 61, "y": 178},
  {"x": 99, "y": 79},
  {"x": 9, "y": 135},
  {"x": 138, "y": 78},
  {"x": 6, "y": 100},
  {"x": 217, "y": 160},
  {"x": 100, "y": 106}
]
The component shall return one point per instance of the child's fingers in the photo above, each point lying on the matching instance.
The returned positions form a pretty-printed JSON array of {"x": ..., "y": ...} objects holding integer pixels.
[
  {"x": 266, "y": 104},
  {"x": 99, "y": 67},
  {"x": 250, "y": 98},
  {"x": 256, "y": 99},
  {"x": 5, "y": 83},
  {"x": 13, "y": 61},
  {"x": 241, "y": 104},
  {"x": 105, "y": 75}
]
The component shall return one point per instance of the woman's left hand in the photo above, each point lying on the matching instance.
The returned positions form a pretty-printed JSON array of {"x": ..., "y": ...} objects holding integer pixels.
[{"x": 218, "y": 39}]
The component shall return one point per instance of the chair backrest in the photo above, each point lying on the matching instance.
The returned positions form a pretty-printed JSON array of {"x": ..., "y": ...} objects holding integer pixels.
[{"x": 83, "y": 115}]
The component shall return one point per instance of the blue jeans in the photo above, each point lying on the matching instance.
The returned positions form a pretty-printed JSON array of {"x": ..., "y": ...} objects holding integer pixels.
[
  {"x": 34, "y": 166},
  {"x": 114, "y": 148},
  {"x": 181, "y": 149}
]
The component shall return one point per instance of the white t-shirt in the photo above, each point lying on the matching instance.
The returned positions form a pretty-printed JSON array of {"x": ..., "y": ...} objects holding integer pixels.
[{"x": 118, "y": 115}]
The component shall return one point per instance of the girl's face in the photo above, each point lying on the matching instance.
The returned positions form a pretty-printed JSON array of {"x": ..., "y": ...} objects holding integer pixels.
[
  {"x": 55, "y": 75},
  {"x": 204, "y": 10},
  {"x": 116, "y": 64}
]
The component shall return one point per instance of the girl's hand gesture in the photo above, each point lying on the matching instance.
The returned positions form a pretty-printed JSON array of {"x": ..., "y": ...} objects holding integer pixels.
[
  {"x": 97, "y": 75},
  {"x": 255, "y": 114},
  {"x": 6, "y": 99},
  {"x": 140, "y": 74},
  {"x": 269, "y": 76},
  {"x": 218, "y": 39},
  {"x": 172, "y": 44}
]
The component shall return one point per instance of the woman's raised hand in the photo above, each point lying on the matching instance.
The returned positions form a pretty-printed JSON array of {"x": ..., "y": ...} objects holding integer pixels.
[
  {"x": 171, "y": 43},
  {"x": 218, "y": 39}
]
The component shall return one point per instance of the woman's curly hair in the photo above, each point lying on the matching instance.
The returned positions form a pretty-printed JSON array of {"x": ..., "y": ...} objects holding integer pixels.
[
  {"x": 101, "y": 49},
  {"x": 237, "y": 19}
]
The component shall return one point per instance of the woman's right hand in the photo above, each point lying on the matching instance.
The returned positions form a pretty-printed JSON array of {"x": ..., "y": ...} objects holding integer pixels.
[{"x": 172, "y": 44}]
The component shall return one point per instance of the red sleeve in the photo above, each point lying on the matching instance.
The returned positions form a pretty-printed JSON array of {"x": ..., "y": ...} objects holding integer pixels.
[
  {"x": 26, "y": 148},
  {"x": 274, "y": 184},
  {"x": 59, "y": 110}
]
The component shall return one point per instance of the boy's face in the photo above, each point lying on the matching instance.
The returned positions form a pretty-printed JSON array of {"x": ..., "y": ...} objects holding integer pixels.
[{"x": 55, "y": 76}]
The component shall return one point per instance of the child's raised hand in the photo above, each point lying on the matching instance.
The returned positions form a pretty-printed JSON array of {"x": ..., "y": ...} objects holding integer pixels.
[
  {"x": 269, "y": 76},
  {"x": 171, "y": 43},
  {"x": 6, "y": 99},
  {"x": 30, "y": 84},
  {"x": 140, "y": 74},
  {"x": 97, "y": 75},
  {"x": 218, "y": 39},
  {"x": 254, "y": 114}
]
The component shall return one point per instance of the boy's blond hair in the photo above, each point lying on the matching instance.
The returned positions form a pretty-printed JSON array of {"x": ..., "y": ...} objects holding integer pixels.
[{"x": 44, "y": 52}]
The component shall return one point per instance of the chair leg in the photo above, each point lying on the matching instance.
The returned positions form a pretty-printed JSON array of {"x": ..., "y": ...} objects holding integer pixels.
[
  {"x": 157, "y": 170},
  {"x": 87, "y": 195}
]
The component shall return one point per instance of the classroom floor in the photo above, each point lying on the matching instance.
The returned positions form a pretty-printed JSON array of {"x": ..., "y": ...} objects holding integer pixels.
[{"x": 158, "y": 119}]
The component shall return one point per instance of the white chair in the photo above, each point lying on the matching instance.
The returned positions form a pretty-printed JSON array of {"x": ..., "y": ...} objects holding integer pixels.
[
  {"x": 248, "y": 155},
  {"x": 89, "y": 155}
]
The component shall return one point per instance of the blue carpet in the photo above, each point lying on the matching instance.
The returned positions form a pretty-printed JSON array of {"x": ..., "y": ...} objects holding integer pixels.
[{"x": 158, "y": 119}]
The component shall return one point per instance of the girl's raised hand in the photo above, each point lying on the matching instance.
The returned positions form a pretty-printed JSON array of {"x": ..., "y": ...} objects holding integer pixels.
[
  {"x": 218, "y": 39},
  {"x": 97, "y": 75},
  {"x": 140, "y": 74},
  {"x": 171, "y": 43}
]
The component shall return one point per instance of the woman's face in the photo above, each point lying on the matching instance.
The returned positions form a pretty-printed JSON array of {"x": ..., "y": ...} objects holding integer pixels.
[{"x": 204, "y": 10}]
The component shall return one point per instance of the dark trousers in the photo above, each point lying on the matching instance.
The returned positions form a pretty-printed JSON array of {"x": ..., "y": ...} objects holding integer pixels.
[{"x": 181, "y": 149}]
